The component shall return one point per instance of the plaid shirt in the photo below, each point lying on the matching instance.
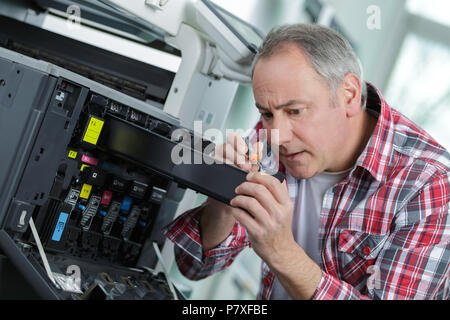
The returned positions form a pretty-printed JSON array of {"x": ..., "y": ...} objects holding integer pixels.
[{"x": 384, "y": 229}]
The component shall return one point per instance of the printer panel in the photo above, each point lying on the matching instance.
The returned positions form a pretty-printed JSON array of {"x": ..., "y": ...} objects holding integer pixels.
[{"x": 92, "y": 208}]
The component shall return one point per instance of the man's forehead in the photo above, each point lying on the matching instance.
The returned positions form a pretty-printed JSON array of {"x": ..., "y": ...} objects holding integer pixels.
[
  {"x": 287, "y": 103},
  {"x": 285, "y": 70},
  {"x": 271, "y": 93}
]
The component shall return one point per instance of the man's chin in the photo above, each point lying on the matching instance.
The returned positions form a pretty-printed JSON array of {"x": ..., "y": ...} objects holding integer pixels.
[{"x": 299, "y": 172}]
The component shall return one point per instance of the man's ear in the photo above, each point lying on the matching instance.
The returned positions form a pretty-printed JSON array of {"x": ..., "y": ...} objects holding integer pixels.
[{"x": 351, "y": 93}]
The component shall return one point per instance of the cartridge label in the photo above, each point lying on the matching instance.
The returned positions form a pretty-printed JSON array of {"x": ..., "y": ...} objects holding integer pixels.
[
  {"x": 89, "y": 160},
  {"x": 59, "y": 228},
  {"x": 85, "y": 191},
  {"x": 93, "y": 130},
  {"x": 72, "y": 154},
  {"x": 106, "y": 197}
]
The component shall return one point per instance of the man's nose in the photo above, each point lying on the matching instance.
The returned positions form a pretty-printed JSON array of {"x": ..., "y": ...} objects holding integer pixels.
[{"x": 281, "y": 131}]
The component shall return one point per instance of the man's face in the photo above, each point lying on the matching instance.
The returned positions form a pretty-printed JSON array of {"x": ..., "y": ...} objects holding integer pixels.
[{"x": 291, "y": 97}]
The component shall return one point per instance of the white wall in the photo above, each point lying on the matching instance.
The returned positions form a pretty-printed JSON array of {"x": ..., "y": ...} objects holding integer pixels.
[{"x": 377, "y": 49}]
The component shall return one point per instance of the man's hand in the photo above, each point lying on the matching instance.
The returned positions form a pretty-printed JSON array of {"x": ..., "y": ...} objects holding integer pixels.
[
  {"x": 265, "y": 210},
  {"x": 267, "y": 216}
]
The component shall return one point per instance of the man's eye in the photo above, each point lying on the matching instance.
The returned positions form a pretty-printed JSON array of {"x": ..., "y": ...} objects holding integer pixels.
[
  {"x": 266, "y": 115},
  {"x": 294, "y": 112}
]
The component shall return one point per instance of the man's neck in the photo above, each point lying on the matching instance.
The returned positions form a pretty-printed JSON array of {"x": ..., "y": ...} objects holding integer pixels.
[
  {"x": 359, "y": 135},
  {"x": 365, "y": 131}
]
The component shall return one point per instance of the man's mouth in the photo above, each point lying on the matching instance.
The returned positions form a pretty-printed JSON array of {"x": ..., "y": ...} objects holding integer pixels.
[{"x": 292, "y": 156}]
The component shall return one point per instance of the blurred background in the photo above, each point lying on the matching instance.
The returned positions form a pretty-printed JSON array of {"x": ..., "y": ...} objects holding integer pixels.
[{"x": 404, "y": 47}]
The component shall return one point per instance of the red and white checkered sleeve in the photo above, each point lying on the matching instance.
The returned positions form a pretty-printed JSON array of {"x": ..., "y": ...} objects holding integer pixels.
[{"x": 192, "y": 262}]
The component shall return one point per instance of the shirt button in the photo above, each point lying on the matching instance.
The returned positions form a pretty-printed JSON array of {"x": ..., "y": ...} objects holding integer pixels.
[{"x": 366, "y": 250}]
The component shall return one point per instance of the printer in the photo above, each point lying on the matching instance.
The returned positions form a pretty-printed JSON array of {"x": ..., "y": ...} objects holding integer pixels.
[{"x": 87, "y": 132}]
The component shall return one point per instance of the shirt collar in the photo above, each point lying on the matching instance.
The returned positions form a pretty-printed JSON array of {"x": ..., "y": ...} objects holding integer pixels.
[{"x": 376, "y": 156}]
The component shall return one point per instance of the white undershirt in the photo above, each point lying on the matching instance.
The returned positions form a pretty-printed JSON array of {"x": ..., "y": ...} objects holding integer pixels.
[{"x": 306, "y": 216}]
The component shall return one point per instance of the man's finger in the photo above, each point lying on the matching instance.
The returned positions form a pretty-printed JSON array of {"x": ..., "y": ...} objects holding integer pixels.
[
  {"x": 254, "y": 167},
  {"x": 278, "y": 190},
  {"x": 252, "y": 206},
  {"x": 226, "y": 153},
  {"x": 237, "y": 142},
  {"x": 246, "y": 220},
  {"x": 260, "y": 193}
]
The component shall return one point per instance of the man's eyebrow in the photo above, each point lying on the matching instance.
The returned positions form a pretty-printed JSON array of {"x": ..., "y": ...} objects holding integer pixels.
[{"x": 284, "y": 105}]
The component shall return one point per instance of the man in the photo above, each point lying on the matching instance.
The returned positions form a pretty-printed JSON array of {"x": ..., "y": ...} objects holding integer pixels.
[{"x": 363, "y": 212}]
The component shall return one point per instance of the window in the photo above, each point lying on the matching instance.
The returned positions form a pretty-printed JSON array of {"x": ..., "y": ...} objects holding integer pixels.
[
  {"x": 419, "y": 85},
  {"x": 437, "y": 10}
]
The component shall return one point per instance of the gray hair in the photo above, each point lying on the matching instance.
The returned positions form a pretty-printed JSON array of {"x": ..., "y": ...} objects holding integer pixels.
[{"x": 330, "y": 54}]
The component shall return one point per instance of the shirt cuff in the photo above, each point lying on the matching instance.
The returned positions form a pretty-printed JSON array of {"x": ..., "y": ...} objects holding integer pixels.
[
  {"x": 331, "y": 288},
  {"x": 185, "y": 233}
]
